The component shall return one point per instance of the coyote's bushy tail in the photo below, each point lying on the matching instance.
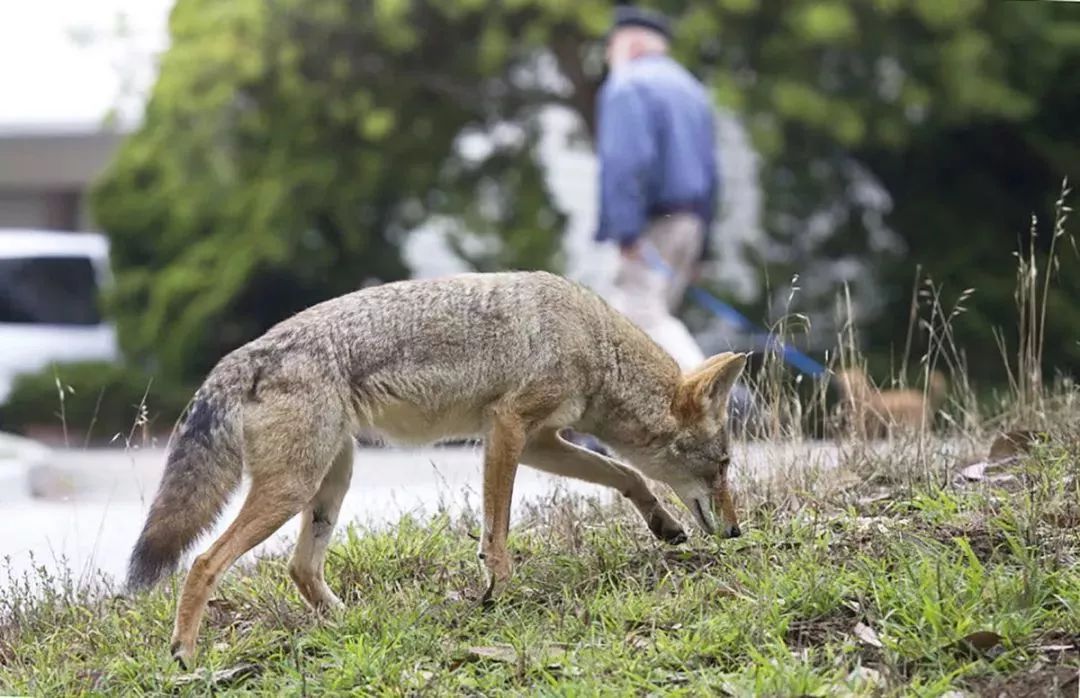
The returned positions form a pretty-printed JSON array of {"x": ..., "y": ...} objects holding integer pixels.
[{"x": 203, "y": 468}]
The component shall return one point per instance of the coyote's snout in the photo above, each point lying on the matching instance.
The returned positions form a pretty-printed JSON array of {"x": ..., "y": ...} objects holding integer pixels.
[{"x": 513, "y": 358}]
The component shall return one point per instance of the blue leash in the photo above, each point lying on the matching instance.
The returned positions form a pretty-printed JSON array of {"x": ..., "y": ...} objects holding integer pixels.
[{"x": 725, "y": 312}]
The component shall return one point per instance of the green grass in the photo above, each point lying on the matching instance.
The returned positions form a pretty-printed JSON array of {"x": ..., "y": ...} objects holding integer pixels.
[{"x": 597, "y": 607}]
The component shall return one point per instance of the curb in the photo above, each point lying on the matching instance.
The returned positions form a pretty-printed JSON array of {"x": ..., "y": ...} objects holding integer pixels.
[{"x": 19, "y": 457}]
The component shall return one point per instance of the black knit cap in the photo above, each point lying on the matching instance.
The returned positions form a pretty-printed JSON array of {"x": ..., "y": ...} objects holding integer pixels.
[{"x": 631, "y": 16}]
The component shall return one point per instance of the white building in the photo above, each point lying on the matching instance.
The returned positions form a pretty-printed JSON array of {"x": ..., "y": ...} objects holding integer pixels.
[
  {"x": 45, "y": 173},
  {"x": 66, "y": 66}
]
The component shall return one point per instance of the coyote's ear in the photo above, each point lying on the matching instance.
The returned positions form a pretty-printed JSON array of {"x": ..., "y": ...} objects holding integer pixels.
[{"x": 705, "y": 391}]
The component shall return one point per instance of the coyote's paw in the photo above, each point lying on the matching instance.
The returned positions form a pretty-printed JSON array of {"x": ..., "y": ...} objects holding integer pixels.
[
  {"x": 497, "y": 579},
  {"x": 328, "y": 604},
  {"x": 182, "y": 654}
]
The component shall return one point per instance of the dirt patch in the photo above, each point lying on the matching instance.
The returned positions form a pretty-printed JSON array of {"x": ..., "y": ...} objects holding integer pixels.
[
  {"x": 245, "y": 614},
  {"x": 1043, "y": 682},
  {"x": 984, "y": 543},
  {"x": 819, "y": 631},
  {"x": 1059, "y": 647},
  {"x": 689, "y": 560},
  {"x": 654, "y": 568}
]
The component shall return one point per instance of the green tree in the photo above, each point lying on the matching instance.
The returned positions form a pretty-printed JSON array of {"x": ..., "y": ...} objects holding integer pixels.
[
  {"x": 286, "y": 147},
  {"x": 959, "y": 109}
]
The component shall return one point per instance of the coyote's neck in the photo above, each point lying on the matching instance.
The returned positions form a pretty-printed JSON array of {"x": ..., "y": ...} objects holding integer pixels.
[{"x": 632, "y": 407}]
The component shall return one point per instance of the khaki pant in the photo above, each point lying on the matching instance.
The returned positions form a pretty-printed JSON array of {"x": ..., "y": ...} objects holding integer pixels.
[{"x": 647, "y": 296}]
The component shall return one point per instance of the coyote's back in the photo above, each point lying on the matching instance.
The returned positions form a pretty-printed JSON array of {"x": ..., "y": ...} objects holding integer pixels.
[{"x": 408, "y": 362}]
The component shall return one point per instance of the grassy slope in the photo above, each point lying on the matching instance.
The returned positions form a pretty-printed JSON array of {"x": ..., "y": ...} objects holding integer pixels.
[{"x": 598, "y": 607}]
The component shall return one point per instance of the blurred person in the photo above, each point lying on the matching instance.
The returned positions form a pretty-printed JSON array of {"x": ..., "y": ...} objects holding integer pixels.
[
  {"x": 658, "y": 176},
  {"x": 659, "y": 184}
]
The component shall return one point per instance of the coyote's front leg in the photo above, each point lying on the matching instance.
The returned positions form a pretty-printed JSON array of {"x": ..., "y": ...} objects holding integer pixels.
[{"x": 502, "y": 450}]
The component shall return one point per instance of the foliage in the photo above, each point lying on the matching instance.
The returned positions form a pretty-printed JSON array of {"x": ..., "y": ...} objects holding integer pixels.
[
  {"x": 289, "y": 145},
  {"x": 286, "y": 148},
  {"x": 95, "y": 402},
  {"x": 956, "y": 110}
]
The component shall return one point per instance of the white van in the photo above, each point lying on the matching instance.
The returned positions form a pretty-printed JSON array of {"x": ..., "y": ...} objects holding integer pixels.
[{"x": 49, "y": 301}]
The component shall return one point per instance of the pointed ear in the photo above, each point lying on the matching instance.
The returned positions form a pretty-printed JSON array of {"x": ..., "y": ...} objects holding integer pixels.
[{"x": 705, "y": 391}]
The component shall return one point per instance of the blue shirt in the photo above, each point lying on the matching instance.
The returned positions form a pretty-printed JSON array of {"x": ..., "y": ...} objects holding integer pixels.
[{"x": 656, "y": 146}]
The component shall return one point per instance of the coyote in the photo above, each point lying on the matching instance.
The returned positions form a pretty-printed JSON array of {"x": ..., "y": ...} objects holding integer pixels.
[
  {"x": 873, "y": 413},
  {"x": 513, "y": 358}
]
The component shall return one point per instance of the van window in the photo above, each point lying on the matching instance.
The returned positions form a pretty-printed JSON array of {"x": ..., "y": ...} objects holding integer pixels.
[{"x": 48, "y": 291}]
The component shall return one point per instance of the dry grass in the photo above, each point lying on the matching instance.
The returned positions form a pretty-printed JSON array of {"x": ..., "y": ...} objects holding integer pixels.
[{"x": 871, "y": 578}]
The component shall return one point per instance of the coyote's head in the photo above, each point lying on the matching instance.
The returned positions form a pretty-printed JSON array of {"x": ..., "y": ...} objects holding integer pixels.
[{"x": 693, "y": 457}]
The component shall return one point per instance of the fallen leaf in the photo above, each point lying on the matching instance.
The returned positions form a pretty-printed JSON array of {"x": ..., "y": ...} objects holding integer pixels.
[
  {"x": 866, "y": 634},
  {"x": 553, "y": 655},
  {"x": 983, "y": 639},
  {"x": 865, "y": 675},
  {"x": 873, "y": 498},
  {"x": 1056, "y": 648},
  {"x": 220, "y": 677},
  {"x": 496, "y": 653},
  {"x": 981, "y": 643},
  {"x": 975, "y": 471},
  {"x": 676, "y": 678},
  {"x": 1011, "y": 444},
  {"x": 877, "y": 524},
  {"x": 638, "y": 642}
]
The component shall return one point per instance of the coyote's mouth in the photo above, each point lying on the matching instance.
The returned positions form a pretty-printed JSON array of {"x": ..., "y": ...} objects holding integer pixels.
[{"x": 703, "y": 513}]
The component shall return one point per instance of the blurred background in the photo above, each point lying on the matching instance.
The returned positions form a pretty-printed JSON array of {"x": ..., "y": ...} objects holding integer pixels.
[{"x": 176, "y": 177}]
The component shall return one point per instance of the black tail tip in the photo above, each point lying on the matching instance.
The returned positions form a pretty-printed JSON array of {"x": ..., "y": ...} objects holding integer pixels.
[
  {"x": 147, "y": 567},
  {"x": 142, "y": 578}
]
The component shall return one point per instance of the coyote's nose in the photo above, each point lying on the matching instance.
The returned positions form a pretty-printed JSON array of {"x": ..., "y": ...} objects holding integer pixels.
[{"x": 732, "y": 531}]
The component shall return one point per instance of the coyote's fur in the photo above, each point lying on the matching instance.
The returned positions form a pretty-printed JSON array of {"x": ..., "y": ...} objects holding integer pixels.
[
  {"x": 512, "y": 358},
  {"x": 874, "y": 413}
]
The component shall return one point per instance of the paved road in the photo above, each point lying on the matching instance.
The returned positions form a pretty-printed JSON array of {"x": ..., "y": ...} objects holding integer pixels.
[{"x": 94, "y": 501}]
